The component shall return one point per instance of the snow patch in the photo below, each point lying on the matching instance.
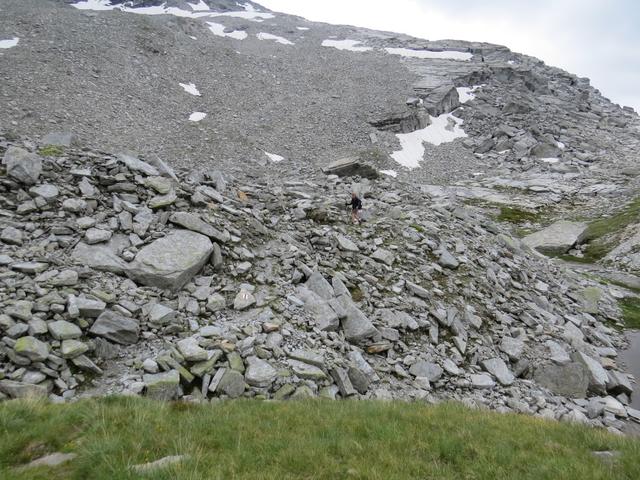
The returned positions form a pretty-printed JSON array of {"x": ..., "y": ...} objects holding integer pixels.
[
  {"x": 444, "y": 128},
  {"x": 345, "y": 45},
  {"x": 467, "y": 93},
  {"x": 561, "y": 145},
  {"x": 199, "y": 7},
  {"x": 550, "y": 160},
  {"x": 190, "y": 88},
  {"x": 269, "y": 36},
  {"x": 12, "y": 42},
  {"x": 446, "y": 55},
  {"x": 197, "y": 11},
  {"x": 218, "y": 29},
  {"x": 273, "y": 157},
  {"x": 391, "y": 173},
  {"x": 303, "y": 28},
  {"x": 197, "y": 116},
  {"x": 94, "y": 5}
]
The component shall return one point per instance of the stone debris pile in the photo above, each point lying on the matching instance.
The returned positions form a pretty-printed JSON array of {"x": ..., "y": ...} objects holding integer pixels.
[{"x": 120, "y": 276}]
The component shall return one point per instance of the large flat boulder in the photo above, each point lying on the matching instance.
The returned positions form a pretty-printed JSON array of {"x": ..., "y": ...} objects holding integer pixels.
[
  {"x": 557, "y": 238},
  {"x": 171, "y": 261}
]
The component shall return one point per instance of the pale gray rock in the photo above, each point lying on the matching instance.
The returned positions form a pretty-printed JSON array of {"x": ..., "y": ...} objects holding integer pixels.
[
  {"x": 22, "y": 390},
  {"x": 431, "y": 371},
  {"x": 259, "y": 373},
  {"x": 103, "y": 257},
  {"x": 21, "y": 165},
  {"x": 50, "y": 461},
  {"x": 497, "y": 368},
  {"x": 324, "y": 316},
  {"x": 319, "y": 285},
  {"x": 482, "y": 381},
  {"x": 447, "y": 260},
  {"x": 73, "y": 348},
  {"x": 32, "y": 348},
  {"x": 89, "y": 307},
  {"x": 244, "y": 299},
  {"x": 513, "y": 347},
  {"x": 383, "y": 256},
  {"x": 191, "y": 350},
  {"x": 161, "y": 314},
  {"x": 231, "y": 384},
  {"x": 47, "y": 191},
  {"x": 557, "y": 238},
  {"x": 97, "y": 235},
  {"x": 75, "y": 205},
  {"x": 11, "y": 236},
  {"x": 341, "y": 377},
  {"x": 134, "y": 163},
  {"x": 417, "y": 290},
  {"x": 306, "y": 371},
  {"x": 356, "y": 326},
  {"x": 346, "y": 244},
  {"x": 162, "y": 386},
  {"x": 63, "y": 330},
  {"x": 171, "y": 261},
  {"x": 115, "y": 327},
  {"x": 146, "y": 468},
  {"x": 557, "y": 353},
  {"x": 569, "y": 380},
  {"x": 598, "y": 377},
  {"x": 196, "y": 224}
]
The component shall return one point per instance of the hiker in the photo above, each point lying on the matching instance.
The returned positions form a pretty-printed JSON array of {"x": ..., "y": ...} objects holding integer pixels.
[{"x": 356, "y": 206}]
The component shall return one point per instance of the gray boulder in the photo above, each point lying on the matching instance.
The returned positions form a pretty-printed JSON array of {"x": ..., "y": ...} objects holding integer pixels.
[
  {"x": 425, "y": 369},
  {"x": 115, "y": 327},
  {"x": 557, "y": 238},
  {"x": 171, "y": 261},
  {"x": 259, "y": 373},
  {"x": 21, "y": 165},
  {"x": 162, "y": 386},
  {"x": 569, "y": 379},
  {"x": 497, "y": 368}
]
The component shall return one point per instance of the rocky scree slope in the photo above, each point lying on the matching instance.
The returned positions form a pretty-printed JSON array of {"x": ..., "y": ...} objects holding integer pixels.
[{"x": 121, "y": 276}]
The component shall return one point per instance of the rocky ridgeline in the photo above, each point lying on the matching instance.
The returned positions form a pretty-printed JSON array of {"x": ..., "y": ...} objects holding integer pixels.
[{"x": 120, "y": 277}]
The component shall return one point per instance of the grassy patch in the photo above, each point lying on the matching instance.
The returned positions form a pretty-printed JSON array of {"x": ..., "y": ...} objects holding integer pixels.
[
  {"x": 303, "y": 440},
  {"x": 51, "y": 151},
  {"x": 630, "y": 307},
  {"x": 600, "y": 235},
  {"x": 417, "y": 227},
  {"x": 517, "y": 215}
]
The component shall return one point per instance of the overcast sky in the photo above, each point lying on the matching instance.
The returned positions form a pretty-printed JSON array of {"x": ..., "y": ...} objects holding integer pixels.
[{"x": 599, "y": 39}]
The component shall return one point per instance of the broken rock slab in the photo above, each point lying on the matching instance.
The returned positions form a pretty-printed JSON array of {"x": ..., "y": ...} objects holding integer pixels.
[
  {"x": 557, "y": 238},
  {"x": 171, "y": 261}
]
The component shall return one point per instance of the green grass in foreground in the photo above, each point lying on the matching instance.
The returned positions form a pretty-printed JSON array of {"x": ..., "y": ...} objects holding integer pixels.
[{"x": 310, "y": 440}]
